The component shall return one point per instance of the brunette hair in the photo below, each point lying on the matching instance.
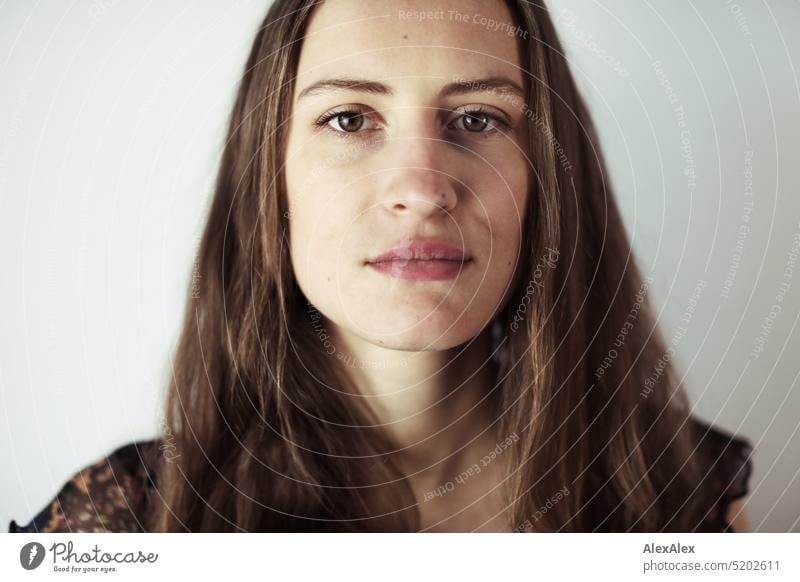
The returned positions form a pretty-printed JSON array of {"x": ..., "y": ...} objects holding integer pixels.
[{"x": 263, "y": 443}]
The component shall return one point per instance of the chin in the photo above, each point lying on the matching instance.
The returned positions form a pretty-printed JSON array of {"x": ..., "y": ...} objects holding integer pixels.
[
  {"x": 426, "y": 331},
  {"x": 436, "y": 343}
]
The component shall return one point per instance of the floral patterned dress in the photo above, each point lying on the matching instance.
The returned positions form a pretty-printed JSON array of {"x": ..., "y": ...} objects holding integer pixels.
[{"x": 113, "y": 493}]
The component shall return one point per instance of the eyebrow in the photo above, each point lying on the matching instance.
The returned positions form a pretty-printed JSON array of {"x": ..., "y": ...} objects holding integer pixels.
[{"x": 461, "y": 87}]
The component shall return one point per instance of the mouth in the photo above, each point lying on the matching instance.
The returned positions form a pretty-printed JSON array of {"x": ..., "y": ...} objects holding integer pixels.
[
  {"x": 422, "y": 260},
  {"x": 421, "y": 269}
]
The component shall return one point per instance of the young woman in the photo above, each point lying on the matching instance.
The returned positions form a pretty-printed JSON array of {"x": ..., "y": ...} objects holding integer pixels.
[{"x": 419, "y": 309}]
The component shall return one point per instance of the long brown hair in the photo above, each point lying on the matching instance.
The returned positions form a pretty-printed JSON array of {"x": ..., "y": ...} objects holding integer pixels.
[{"x": 263, "y": 443}]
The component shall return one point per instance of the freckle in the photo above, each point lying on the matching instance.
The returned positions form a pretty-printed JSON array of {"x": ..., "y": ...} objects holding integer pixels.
[{"x": 405, "y": 36}]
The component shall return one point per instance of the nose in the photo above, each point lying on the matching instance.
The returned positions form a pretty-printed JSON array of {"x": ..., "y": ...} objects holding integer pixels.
[{"x": 419, "y": 181}]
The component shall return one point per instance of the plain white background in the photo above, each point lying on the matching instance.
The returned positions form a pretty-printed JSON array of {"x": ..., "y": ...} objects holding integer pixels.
[{"x": 112, "y": 115}]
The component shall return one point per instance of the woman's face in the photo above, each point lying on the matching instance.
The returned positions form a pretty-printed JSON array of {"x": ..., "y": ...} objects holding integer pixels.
[{"x": 412, "y": 159}]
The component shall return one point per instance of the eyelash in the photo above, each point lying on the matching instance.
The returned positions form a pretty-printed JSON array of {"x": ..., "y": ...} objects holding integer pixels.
[{"x": 497, "y": 123}]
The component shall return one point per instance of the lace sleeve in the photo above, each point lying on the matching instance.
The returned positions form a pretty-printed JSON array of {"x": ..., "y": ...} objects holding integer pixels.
[{"x": 106, "y": 496}]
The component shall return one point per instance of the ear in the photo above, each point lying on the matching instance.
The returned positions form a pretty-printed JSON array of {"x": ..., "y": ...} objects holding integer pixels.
[{"x": 736, "y": 516}]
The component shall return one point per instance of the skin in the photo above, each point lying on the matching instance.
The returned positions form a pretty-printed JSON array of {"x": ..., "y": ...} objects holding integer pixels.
[
  {"x": 737, "y": 517},
  {"x": 418, "y": 350}
]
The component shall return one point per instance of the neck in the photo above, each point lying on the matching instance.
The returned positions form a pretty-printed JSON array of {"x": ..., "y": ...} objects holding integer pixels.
[{"x": 436, "y": 405}]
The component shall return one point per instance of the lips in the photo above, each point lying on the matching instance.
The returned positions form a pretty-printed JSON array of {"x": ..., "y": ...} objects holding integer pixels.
[
  {"x": 423, "y": 250},
  {"x": 422, "y": 260}
]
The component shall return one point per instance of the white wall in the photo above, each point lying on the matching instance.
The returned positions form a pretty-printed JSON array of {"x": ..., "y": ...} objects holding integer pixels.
[{"x": 111, "y": 121}]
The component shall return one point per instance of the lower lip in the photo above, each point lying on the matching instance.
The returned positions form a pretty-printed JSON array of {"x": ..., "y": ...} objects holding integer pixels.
[{"x": 421, "y": 270}]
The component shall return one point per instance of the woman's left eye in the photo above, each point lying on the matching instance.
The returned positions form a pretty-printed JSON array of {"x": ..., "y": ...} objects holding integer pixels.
[{"x": 478, "y": 120}]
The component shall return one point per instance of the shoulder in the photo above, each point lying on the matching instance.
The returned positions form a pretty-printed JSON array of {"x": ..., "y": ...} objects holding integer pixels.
[
  {"x": 728, "y": 464},
  {"x": 108, "y": 495}
]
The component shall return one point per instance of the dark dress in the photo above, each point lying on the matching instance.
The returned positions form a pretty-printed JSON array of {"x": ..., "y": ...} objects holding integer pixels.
[{"x": 112, "y": 494}]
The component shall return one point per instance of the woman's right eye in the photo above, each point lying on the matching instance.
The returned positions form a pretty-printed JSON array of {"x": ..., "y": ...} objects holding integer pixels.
[{"x": 344, "y": 120}]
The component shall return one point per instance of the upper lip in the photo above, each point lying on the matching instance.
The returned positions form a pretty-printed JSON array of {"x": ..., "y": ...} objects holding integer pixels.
[{"x": 423, "y": 249}]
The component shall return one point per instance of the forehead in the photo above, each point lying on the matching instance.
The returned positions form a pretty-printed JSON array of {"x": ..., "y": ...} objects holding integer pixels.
[{"x": 411, "y": 38}]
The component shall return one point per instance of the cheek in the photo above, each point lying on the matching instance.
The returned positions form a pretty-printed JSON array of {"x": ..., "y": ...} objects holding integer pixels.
[
  {"x": 319, "y": 222},
  {"x": 313, "y": 246},
  {"x": 505, "y": 203}
]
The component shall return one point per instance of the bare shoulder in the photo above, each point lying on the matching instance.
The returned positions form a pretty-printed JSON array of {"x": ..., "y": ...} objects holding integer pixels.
[{"x": 737, "y": 517}]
